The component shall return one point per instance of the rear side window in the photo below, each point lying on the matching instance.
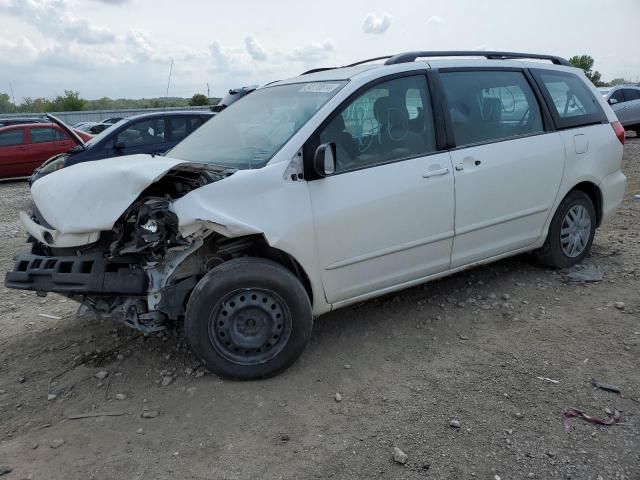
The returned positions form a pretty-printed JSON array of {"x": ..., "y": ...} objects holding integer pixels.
[
  {"x": 195, "y": 122},
  {"x": 178, "y": 128},
  {"x": 630, "y": 94},
  {"x": 571, "y": 102},
  {"x": 12, "y": 137},
  {"x": 487, "y": 106},
  {"x": 46, "y": 134}
]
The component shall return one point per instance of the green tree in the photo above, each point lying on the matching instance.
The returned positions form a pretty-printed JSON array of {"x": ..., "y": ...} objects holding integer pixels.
[
  {"x": 5, "y": 104},
  {"x": 585, "y": 62},
  {"x": 198, "y": 100},
  {"x": 72, "y": 102}
]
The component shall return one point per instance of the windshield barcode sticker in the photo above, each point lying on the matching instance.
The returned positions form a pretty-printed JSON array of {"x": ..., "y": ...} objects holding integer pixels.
[{"x": 319, "y": 87}]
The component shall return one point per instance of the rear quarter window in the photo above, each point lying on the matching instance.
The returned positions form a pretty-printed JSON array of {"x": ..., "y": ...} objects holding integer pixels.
[{"x": 571, "y": 102}]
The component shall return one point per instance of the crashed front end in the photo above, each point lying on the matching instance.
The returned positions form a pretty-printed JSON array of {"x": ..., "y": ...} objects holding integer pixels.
[{"x": 106, "y": 234}]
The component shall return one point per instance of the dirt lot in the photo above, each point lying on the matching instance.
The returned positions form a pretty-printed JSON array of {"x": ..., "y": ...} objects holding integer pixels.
[{"x": 466, "y": 348}]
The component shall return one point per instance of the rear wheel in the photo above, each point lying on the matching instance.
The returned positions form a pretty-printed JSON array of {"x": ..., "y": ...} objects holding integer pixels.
[
  {"x": 571, "y": 232},
  {"x": 248, "y": 318}
]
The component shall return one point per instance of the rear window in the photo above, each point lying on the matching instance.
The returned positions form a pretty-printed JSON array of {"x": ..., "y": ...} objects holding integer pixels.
[{"x": 571, "y": 102}]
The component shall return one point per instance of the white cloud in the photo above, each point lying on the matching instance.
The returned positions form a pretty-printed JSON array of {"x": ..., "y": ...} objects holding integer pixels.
[
  {"x": 17, "y": 52},
  {"x": 435, "y": 20},
  {"x": 254, "y": 49},
  {"x": 84, "y": 31},
  {"x": 51, "y": 17},
  {"x": 142, "y": 49},
  {"x": 219, "y": 58},
  {"x": 376, "y": 24},
  {"x": 312, "y": 52}
]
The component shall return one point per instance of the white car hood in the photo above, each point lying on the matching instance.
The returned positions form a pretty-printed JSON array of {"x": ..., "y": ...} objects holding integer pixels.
[{"x": 91, "y": 196}]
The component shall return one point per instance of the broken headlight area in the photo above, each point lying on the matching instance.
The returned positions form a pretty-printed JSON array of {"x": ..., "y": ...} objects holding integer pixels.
[{"x": 149, "y": 228}]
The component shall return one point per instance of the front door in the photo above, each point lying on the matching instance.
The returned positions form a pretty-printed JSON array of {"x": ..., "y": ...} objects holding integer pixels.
[
  {"x": 385, "y": 218},
  {"x": 507, "y": 169}
]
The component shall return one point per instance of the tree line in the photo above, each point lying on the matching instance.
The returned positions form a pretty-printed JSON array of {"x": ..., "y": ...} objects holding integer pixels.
[{"x": 72, "y": 102}]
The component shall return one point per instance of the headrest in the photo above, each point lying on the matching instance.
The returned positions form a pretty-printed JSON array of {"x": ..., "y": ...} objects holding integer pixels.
[
  {"x": 491, "y": 109},
  {"x": 338, "y": 123}
]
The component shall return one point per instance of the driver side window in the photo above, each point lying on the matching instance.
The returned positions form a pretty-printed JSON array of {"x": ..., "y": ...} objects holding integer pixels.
[
  {"x": 145, "y": 132},
  {"x": 390, "y": 121}
]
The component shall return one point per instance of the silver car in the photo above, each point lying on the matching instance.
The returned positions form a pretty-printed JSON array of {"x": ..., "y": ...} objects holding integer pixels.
[{"x": 625, "y": 102}]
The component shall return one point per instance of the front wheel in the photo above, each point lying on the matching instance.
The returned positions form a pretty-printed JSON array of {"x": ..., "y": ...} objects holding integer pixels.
[
  {"x": 248, "y": 318},
  {"x": 570, "y": 233}
]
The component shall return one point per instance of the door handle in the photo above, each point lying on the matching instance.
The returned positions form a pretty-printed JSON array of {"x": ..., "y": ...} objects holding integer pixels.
[
  {"x": 459, "y": 167},
  {"x": 435, "y": 173}
]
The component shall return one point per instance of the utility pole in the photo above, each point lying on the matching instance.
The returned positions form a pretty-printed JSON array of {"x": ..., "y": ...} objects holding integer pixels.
[
  {"x": 207, "y": 90},
  {"x": 15, "y": 107},
  {"x": 166, "y": 96}
]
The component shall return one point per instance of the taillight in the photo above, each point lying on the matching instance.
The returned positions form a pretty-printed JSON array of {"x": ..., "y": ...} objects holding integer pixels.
[{"x": 619, "y": 129}]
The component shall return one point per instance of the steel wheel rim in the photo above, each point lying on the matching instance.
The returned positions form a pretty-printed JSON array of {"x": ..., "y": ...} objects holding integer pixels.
[
  {"x": 250, "y": 326},
  {"x": 575, "y": 231}
]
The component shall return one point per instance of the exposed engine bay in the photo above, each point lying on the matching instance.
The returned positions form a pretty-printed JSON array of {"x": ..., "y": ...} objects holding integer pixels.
[{"x": 139, "y": 272}]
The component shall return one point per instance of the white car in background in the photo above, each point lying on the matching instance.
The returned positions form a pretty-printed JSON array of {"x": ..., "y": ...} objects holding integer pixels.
[{"x": 327, "y": 189}]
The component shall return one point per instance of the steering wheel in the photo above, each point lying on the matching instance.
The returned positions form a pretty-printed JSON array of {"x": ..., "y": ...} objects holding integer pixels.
[{"x": 524, "y": 117}]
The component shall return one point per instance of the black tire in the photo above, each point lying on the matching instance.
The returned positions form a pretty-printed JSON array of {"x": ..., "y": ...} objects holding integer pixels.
[
  {"x": 248, "y": 318},
  {"x": 551, "y": 253}
]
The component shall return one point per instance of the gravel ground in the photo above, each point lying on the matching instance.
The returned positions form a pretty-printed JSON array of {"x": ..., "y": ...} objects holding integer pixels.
[{"x": 467, "y": 349}]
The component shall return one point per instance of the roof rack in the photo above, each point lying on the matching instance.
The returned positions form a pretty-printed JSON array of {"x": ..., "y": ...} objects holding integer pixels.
[
  {"x": 412, "y": 56},
  {"x": 361, "y": 62},
  {"x": 407, "y": 57}
]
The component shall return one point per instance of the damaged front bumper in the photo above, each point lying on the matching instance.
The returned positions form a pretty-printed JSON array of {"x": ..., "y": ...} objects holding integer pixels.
[{"x": 83, "y": 274}]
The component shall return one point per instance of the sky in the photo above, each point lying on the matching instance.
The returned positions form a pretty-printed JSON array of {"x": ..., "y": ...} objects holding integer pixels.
[{"x": 124, "y": 48}]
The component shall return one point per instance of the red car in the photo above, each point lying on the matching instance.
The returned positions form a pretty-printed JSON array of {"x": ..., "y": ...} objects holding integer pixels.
[{"x": 23, "y": 148}]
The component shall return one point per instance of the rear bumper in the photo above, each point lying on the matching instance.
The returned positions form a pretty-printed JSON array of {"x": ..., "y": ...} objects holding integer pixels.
[
  {"x": 612, "y": 188},
  {"x": 84, "y": 274}
]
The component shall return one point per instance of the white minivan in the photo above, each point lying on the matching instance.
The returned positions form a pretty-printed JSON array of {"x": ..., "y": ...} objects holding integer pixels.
[{"x": 326, "y": 189}]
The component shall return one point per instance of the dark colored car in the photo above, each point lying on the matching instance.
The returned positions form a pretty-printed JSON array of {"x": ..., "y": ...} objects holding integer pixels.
[
  {"x": 233, "y": 96},
  {"x": 5, "y": 122},
  {"x": 151, "y": 133},
  {"x": 24, "y": 147},
  {"x": 103, "y": 125}
]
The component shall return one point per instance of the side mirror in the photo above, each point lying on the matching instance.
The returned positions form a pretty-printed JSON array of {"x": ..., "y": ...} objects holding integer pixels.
[
  {"x": 612, "y": 101},
  {"x": 119, "y": 145},
  {"x": 324, "y": 160}
]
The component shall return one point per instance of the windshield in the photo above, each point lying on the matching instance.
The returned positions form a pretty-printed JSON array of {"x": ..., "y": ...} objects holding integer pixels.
[
  {"x": 251, "y": 131},
  {"x": 105, "y": 133}
]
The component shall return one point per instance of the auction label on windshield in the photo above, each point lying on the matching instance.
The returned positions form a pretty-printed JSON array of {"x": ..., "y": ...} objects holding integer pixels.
[{"x": 319, "y": 87}]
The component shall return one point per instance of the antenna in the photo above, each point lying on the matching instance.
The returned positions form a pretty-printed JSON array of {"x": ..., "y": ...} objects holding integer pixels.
[
  {"x": 15, "y": 107},
  {"x": 166, "y": 95}
]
